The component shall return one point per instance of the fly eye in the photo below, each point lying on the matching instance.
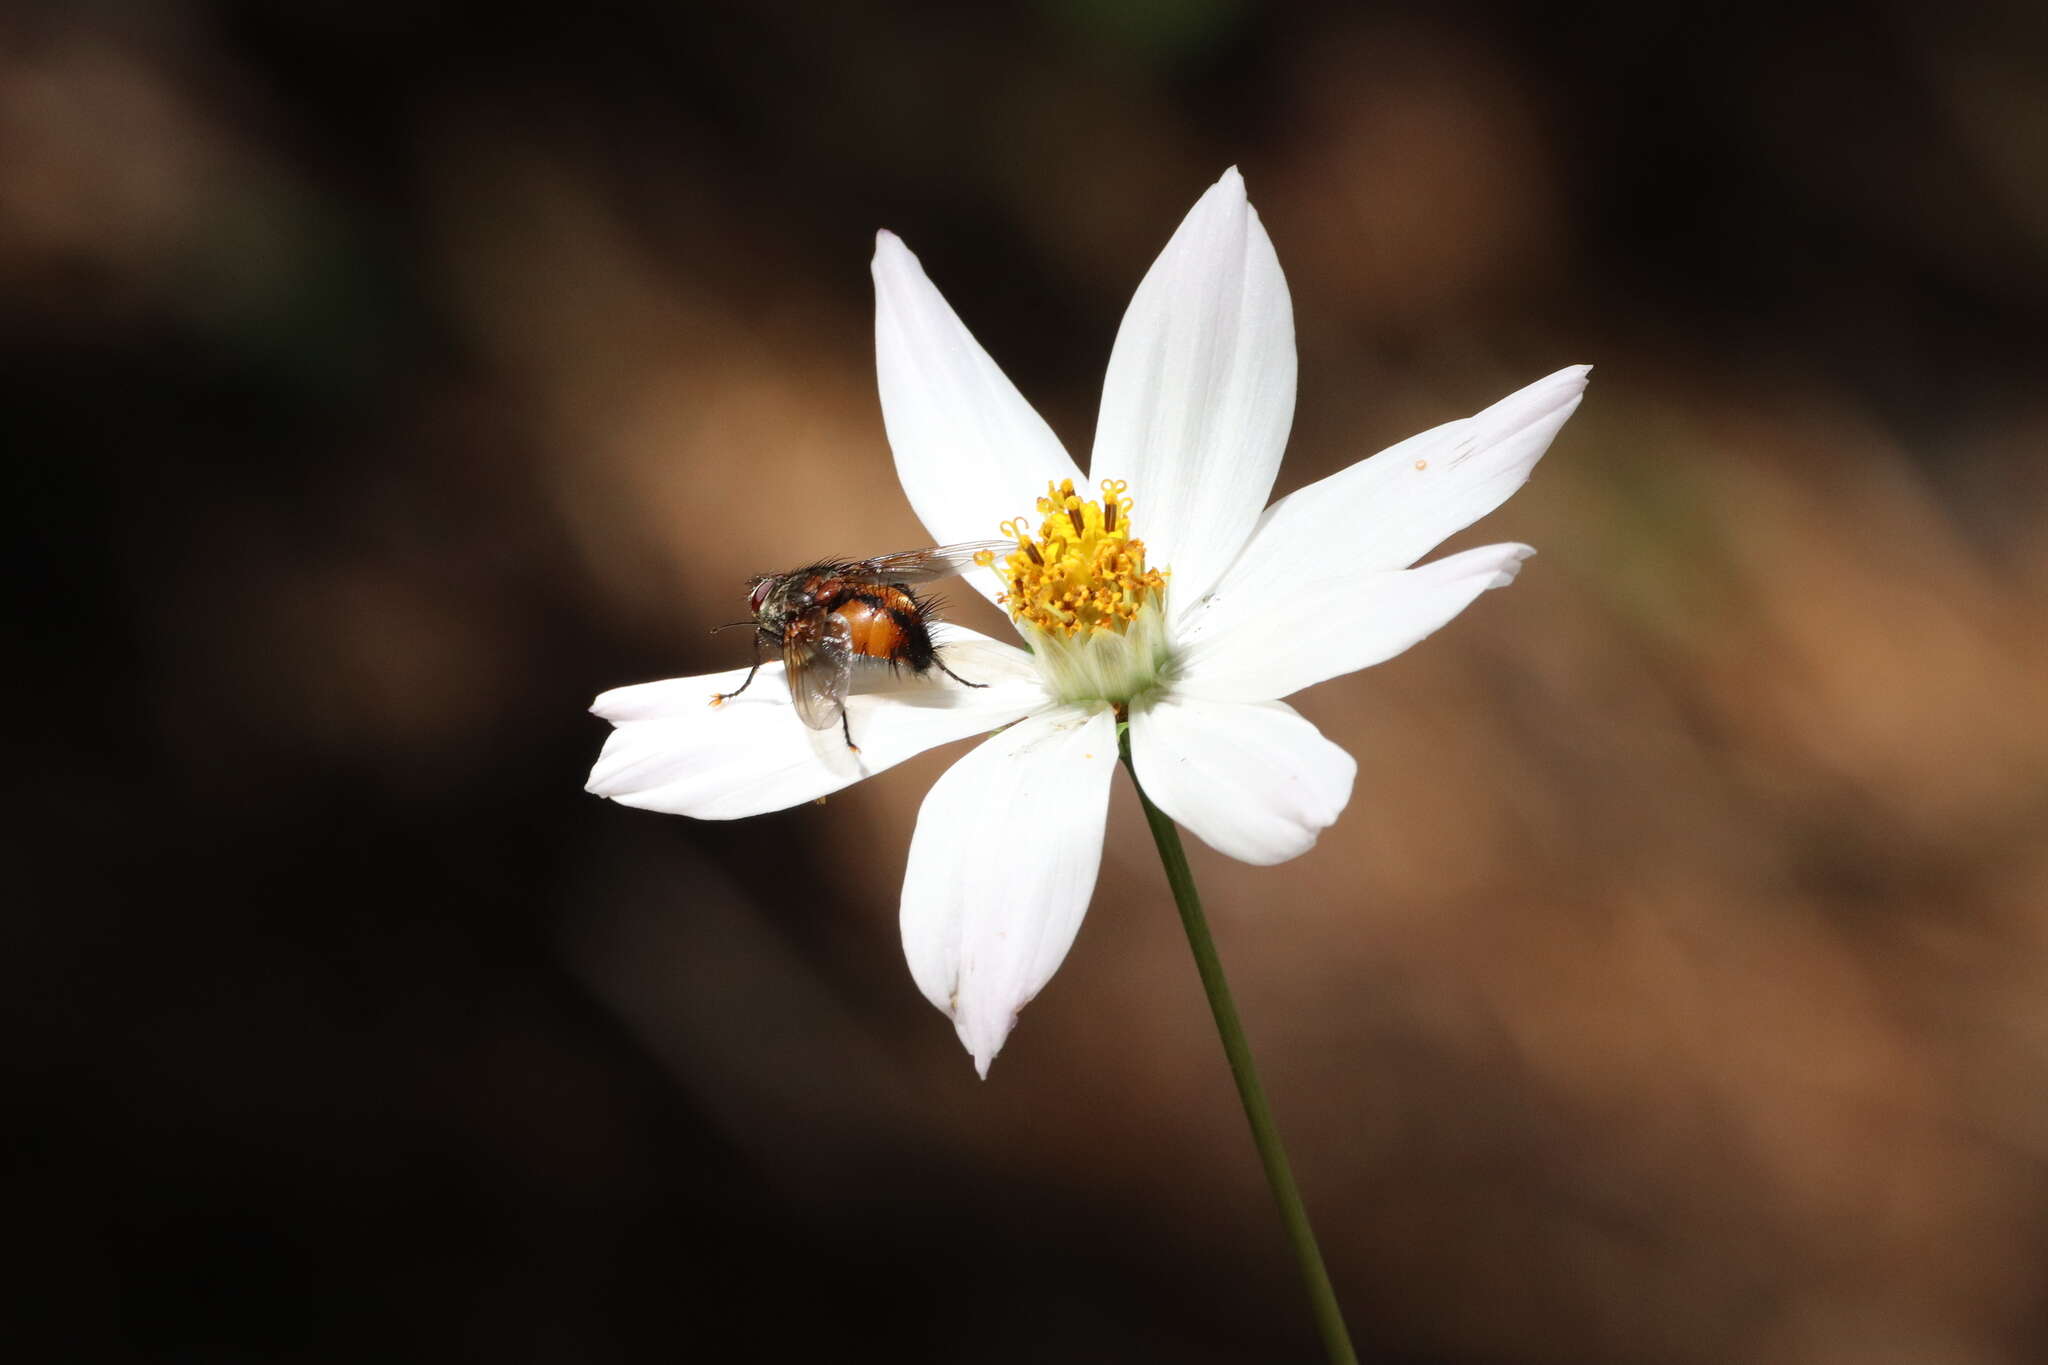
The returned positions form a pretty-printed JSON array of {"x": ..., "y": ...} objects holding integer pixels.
[{"x": 760, "y": 595}]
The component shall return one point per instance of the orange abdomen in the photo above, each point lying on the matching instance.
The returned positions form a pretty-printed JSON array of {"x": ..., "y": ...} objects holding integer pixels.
[{"x": 876, "y": 631}]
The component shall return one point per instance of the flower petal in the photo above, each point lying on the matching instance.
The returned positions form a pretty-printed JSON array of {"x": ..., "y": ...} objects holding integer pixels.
[
  {"x": 1002, "y": 866},
  {"x": 1388, "y": 511},
  {"x": 1200, "y": 391},
  {"x": 1244, "y": 647},
  {"x": 1254, "y": 782},
  {"x": 673, "y": 751},
  {"x": 970, "y": 452}
]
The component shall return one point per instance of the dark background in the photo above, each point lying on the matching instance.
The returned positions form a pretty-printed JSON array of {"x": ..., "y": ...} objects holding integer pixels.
[{"x": 379, "y": 382}]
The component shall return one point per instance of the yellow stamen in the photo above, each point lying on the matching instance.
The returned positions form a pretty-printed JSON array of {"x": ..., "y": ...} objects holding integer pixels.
[{"x": 1082, "y": 574}]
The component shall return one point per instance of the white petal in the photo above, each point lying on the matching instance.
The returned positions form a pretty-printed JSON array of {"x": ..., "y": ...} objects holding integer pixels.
[
  {"x": 674, "y": 751},
  {"x": 1388, "y": 511},
  {"x": 1200, "y": 391},
  {"x": 1255, "y": 782},
  {"x": 1244, "y": 647},
  {"x": 1001, "y": 869},
  {"x": 970, "y": 452}
]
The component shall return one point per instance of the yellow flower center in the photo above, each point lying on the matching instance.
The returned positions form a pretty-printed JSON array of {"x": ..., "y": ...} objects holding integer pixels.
[
  {"x": 1080, "y": 588},
  {"x": 1082, "y": 572}
]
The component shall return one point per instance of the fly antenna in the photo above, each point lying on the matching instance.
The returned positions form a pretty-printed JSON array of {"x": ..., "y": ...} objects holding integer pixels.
[{"x": 729, "y": 625}]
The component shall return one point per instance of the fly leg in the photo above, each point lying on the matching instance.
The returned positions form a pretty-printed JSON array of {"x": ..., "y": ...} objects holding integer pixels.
[
  {"x": 721, "y": 698},
  {"x": 847, "y": 730},
  {"x": 954, "y": 676}
]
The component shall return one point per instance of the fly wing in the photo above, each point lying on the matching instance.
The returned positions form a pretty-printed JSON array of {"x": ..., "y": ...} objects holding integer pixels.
[
  {"x": 817, "y": 658},
  {"x": 911, "y": 567}
]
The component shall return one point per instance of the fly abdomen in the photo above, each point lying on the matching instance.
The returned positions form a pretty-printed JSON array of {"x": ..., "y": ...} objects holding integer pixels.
[{"x": 887, "y": 622}]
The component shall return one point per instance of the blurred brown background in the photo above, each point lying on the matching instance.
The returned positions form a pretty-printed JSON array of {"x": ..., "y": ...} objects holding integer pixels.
[{"x": 381, "y": 381}]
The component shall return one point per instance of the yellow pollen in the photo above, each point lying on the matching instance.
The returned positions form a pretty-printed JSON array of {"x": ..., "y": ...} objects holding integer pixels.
[{"x": 1082, "y": 573}]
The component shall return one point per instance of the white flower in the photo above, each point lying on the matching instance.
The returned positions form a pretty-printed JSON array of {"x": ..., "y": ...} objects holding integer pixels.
[{"x": 1193, "y": 631}]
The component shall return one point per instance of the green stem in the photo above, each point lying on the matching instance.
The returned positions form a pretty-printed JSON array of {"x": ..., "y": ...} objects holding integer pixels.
[{"x": 1265, "y": 1133}]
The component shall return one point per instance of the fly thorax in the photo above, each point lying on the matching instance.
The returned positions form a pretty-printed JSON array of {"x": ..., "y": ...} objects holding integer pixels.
[{"x": 1079, "y": 589}]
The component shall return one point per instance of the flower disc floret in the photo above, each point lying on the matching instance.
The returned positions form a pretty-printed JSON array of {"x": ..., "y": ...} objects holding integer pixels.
[
  {"x": 1080, "y": 590},
  {"x": 1082, "y": 573}
]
